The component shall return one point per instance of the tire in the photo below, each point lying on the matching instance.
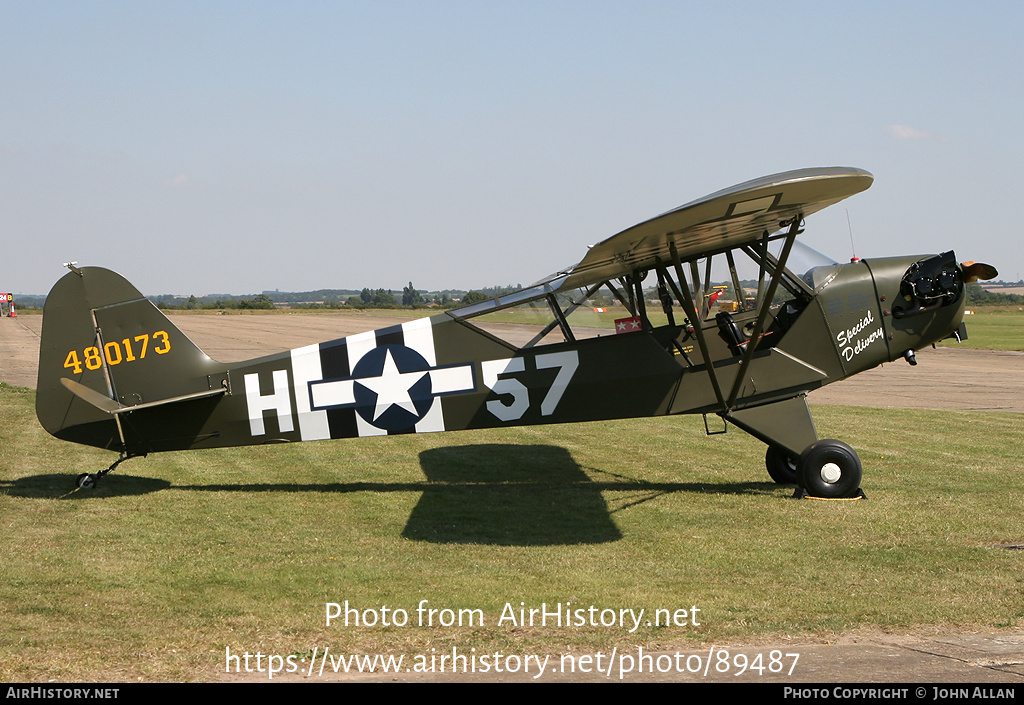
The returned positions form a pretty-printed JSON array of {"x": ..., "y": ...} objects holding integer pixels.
[
  {"x": 830, "y": 469},
  {"x": 783, "y": 467}
]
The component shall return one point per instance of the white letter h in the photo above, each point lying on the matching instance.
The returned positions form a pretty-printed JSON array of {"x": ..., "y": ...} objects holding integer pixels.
[{"x": 280, "y": 401}]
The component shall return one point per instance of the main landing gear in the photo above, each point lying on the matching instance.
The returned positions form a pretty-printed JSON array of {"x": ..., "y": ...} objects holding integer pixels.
[
  {"x": 783, "y": 467},
  {"x": 827, "y": 469}
]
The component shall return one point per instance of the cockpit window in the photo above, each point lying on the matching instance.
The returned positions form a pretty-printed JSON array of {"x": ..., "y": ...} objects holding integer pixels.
[
  {"x": 731, "y": 282},
  {"x": 814, "y": 269}
]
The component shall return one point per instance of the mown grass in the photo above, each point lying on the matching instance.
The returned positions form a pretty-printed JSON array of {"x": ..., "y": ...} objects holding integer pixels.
[
  {"x": 995, "y": 328},
  {"x": 174, "y": 558}
]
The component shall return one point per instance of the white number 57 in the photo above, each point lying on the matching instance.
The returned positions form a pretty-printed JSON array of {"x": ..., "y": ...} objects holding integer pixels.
[{"x": 566, "y": 363}]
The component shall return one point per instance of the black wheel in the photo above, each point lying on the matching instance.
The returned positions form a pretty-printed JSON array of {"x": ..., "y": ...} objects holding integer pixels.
[
  {"x": 86, "y": 481},
  {"x": 783, "y": 467},
  {"x": 831, "y": 469}
]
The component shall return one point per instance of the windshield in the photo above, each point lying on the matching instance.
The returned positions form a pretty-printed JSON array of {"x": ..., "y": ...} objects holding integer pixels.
[{"x": 814, "y": 268}]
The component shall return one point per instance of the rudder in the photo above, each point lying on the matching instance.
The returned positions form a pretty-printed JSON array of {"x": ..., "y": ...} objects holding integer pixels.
[{"x": 105, "y": 348}]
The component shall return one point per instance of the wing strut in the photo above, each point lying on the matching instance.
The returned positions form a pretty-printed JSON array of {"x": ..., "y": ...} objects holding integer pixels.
[
  {"x": 685, "y": 297},
  {"x": 766, "y": 302}
]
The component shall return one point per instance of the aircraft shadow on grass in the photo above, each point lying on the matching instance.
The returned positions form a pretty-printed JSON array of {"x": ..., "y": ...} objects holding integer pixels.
[
  {"x": 508, "y": 495},
  {"x": 491, "y": 494},
  {"x": 55, "y": 486}
]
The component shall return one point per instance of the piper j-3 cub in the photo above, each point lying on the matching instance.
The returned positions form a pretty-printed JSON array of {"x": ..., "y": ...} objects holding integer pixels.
[{"x": 115, "y": 373}]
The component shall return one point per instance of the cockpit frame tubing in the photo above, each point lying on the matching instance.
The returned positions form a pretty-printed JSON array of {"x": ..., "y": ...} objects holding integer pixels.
[
  {"x": 765, "y": 306},
  {"x": 686, "y": 301}
]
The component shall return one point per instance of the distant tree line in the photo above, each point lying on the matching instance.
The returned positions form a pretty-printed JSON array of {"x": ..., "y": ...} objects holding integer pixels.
[
  {"x": 367, "y": 298},
  {"x": 414, "y": 298},
  {"x": 976, "y": 295},
  {"x": 192, "y": 303},
  {"x": 327, "y": 296}
]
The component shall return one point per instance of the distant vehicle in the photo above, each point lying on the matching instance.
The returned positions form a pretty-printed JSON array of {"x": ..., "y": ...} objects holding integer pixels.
[
  {"x": 7, "y": 299},
  {"x": 724, "y": 304},
  {"x": 115, "y": 373}
]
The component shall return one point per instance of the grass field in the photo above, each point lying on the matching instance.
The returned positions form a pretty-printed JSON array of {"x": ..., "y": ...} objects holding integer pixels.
[
  {"x": 174, "y": 558},
  {"x": 995, "y": 328}
]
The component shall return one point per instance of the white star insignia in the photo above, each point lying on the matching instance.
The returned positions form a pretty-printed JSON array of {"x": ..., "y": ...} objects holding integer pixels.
[{"x": 392, "y": 387}]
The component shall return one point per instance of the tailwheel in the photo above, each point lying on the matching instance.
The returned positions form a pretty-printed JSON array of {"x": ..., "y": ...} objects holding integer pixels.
[
  {"x": 830, "y": 469},
  {"x": 783, "y": 467},
  {"x": 88, "y": 480}
]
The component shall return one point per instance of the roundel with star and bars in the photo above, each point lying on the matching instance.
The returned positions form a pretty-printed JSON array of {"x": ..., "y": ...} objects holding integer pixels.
[
  {"x": 385, "y": 381},
  {"x": 392, "y": 388}
]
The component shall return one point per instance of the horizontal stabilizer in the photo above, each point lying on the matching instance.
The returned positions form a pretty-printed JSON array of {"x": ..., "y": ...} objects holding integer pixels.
[
  {"x": 91, "y": 396},
  {"x": 112, "y": 407}
]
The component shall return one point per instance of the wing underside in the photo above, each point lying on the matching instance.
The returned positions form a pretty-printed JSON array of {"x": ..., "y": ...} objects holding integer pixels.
[{"x": 729, "y": 218}]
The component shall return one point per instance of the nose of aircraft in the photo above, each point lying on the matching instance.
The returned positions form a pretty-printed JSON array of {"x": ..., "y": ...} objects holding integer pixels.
[
  {"x": 925, "y": 298},
  {"x": 929, "y": 284}
]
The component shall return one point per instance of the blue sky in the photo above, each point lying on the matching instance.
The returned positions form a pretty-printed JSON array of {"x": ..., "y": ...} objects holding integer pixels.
[{"x": 231, "y": 147}]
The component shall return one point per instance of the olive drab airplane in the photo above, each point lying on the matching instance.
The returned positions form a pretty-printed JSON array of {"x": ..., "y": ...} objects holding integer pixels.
[{"x": 115, "y": 373}]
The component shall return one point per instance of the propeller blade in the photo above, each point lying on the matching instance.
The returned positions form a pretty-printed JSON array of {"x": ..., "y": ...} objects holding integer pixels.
[{"x": 973, "y": 271}]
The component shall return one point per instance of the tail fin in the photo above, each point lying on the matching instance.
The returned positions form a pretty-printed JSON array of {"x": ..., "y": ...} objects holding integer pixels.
[{"x": 106, "y": 349}]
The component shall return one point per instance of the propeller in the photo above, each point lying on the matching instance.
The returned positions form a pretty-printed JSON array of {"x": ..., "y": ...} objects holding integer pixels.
[{"x": 973, "y": 271}]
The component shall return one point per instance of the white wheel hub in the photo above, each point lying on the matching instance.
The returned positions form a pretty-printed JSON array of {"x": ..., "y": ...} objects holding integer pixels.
[{"x": 830, "y": 473}]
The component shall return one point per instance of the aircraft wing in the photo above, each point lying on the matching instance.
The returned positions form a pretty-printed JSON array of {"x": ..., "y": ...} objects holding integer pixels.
[{"x": 729, "y": 218}]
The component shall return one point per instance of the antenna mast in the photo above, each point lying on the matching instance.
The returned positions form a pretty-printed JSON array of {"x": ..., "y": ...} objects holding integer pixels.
[{"x": 853, "y": 249}]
